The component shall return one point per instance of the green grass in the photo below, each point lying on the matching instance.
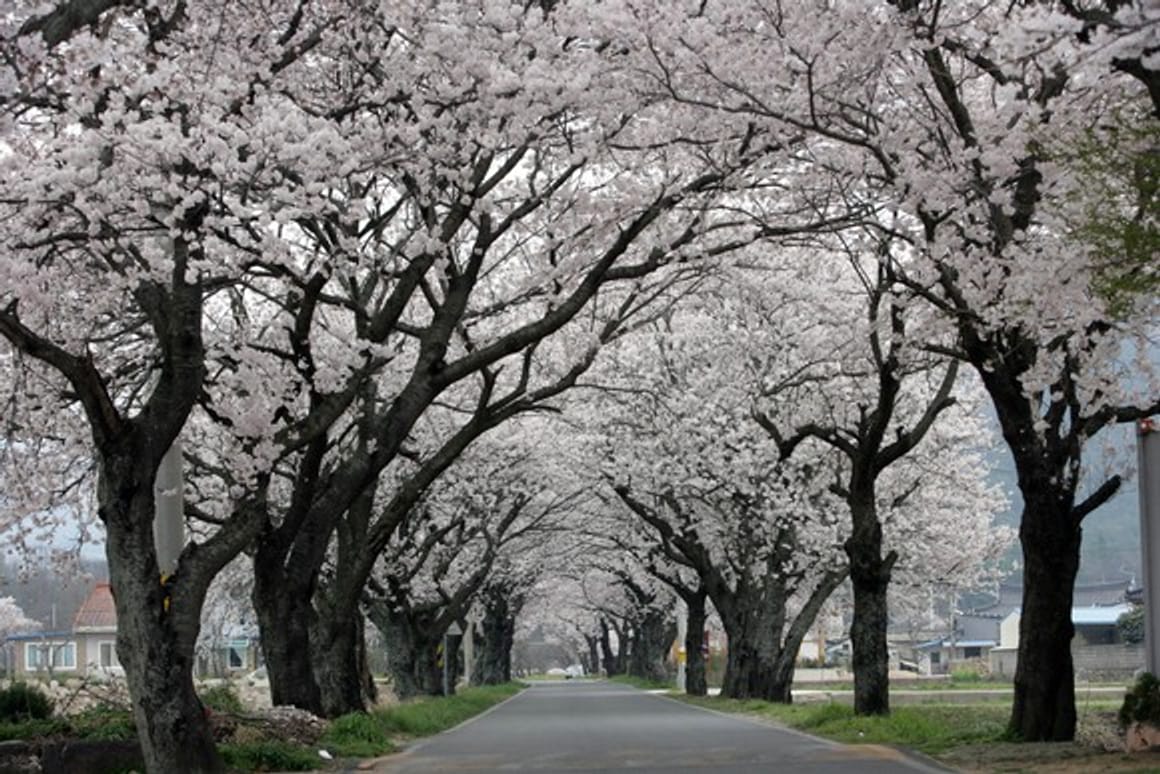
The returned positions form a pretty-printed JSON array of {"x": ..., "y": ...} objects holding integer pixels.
[
  {"x": 33, "y": 729},
  {"x": 644, "y": 685},
  {"x": 358, "y": 735},
  {"x": 368, "y": 735},
  {"x": 929, "y": 728},
  {"x": 426, "y": 716},
  {"x": 269, "y": 756}
]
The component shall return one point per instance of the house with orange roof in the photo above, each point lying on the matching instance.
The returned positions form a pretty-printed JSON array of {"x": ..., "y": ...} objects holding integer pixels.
[{"x": 90, "y": 647}]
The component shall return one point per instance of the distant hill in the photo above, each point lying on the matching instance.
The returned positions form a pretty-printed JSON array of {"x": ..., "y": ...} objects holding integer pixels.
[{"x": 1111, "y": 535}]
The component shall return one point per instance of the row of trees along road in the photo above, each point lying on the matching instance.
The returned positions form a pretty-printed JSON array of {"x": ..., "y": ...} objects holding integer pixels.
[
  {"x": 680, "y": 436},
  {"x": 332, "y": 246}
]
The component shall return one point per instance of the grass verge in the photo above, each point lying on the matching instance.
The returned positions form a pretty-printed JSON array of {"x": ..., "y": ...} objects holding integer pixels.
[
  {"x": 366, "y": 735},
  {"x": 643, "y": 684},
  {"x": 929, "y": 728},
  {"x": 358, "y": 735},
  {"x": 269, "y": 756}
]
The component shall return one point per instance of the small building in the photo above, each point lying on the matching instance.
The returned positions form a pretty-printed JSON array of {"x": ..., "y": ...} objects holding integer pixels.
[
  {"x": 88, "y": 648},
  {"x": 1097, "y": 649},
  {"x": 939, "y": 656},
  {"x": 95, "y": 632}
]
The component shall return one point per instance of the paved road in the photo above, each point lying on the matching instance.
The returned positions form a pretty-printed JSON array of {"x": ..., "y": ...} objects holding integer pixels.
[{"x": 595, "y": 726}]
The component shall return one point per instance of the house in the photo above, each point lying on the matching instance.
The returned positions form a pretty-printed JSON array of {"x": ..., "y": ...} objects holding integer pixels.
[
  {"x": 88, "y": 648},
  {"x": 95, "y": 632},
  {"x": 1097, "y": 648}
]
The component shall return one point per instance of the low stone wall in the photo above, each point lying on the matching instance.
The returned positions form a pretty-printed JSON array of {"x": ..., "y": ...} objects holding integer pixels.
[
  {"x": 1092, "y": 662},
  {"x": 1107, "y": 662}
]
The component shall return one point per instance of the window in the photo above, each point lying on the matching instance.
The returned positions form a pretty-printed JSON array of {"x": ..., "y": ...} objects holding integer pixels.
[
  {"x": 935, "y": 657},
  {"x": 972, "y": 652},
  {"x": 236, "y": 654},
  {"x": 107, "y": 656},
  {"x": 43, "y": 656}
]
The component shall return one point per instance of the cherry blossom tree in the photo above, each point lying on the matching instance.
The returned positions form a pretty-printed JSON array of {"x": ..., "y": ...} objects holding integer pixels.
[
  {"x": 677, "y": 436},
  {"x": 131, "y": 156},
  {"x": 951, "y": 127},
  {"x": 12, "y": 618},
  {"x": 445, "y": 552}
]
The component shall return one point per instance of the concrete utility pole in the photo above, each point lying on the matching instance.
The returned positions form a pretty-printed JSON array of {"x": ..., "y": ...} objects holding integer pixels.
[
  {"x": 682, "y": 656},
  {"x": 450, "y": 656},
  {"x": 1148, "y": 444},
  {"x": 169, "y": 507}
]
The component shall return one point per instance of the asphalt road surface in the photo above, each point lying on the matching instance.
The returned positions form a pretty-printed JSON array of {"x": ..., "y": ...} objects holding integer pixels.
[{"x": 595, "y": 726}]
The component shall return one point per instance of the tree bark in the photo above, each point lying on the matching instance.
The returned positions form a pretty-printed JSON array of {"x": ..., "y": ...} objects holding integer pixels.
[
  {"x": 412, "y": 653},
  {"x": 155, "y": 637},
  {"x": 282, "y": 600},
  {"x": 696, "y": 683},
  {"x": 870, "y": 578},
  {"x": 756, "y": 666},
  {"x": 650, "y": 646},
  {"x": 339, "y": 652},
  {"x": 493, "y": 660},
  {"x": 1044, "y": 706},
  {"x": 592, "y": 659}
]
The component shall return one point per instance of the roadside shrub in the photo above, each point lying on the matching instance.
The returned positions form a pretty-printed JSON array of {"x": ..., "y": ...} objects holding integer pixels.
[
  {"x": 1142, "y": 703},
  {"x": 104, "y": 722},
  {"x": 1130, "y": 625},
  {"x": 21, "y": 701},
  {"x": 222, "y": 698},
  {"x": 269, "y": 756},
  {"x": 357, "y": 735}
]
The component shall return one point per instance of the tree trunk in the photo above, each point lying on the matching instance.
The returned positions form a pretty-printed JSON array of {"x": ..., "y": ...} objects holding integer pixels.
[
  {"x": 757, "y": 666},
  {"x": 1044, "y": 706},
  {"x": 870, "y": 578},
  {"x": 651, "y": 645},
  {"x": 623, "y": 648},
  {"x": 282, "y": 600},
  {"x": 593, "y": 665},
  {"x": 412, "y": 656},
  {"x": 155, "y": 637},
  {"x": 340, "y": 664},
  {"x": 493, "y": 658},
  {"x": 695, "y": 680}
]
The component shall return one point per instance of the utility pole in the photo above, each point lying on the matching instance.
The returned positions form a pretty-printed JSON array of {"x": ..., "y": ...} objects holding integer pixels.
[
  {"x": 169, "y": 510},
  {"x": 1148, "y": 445},
  {"x": 682, "y": 656},
  {"x": 450, "y": 657}
]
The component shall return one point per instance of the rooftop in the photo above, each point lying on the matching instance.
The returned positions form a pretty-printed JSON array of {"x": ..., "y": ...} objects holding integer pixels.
[{"x": 98, "y": 613}]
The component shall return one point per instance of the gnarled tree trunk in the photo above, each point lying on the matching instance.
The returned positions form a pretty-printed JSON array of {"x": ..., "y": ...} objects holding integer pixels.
[
  {"x": 413, "y": 654},
  {"x": 654, "y": 634},
  {"x": 282, "y": 600},
  {"x": 339, "y": 650},
  {"x": 1044, "y": 707},
  {"x": 156, "y": 633},
  {"x": 757, "y": 666},
  {"x": 493, "y": 659},
  {"x": 870, "y": 578}
]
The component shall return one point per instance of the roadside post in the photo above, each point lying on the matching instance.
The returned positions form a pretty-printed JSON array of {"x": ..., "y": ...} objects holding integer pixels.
[
  {"x": 682, "y": 629},
  {"x": 451, "y": 658},
  {"x": 1148, "y": 445}
]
